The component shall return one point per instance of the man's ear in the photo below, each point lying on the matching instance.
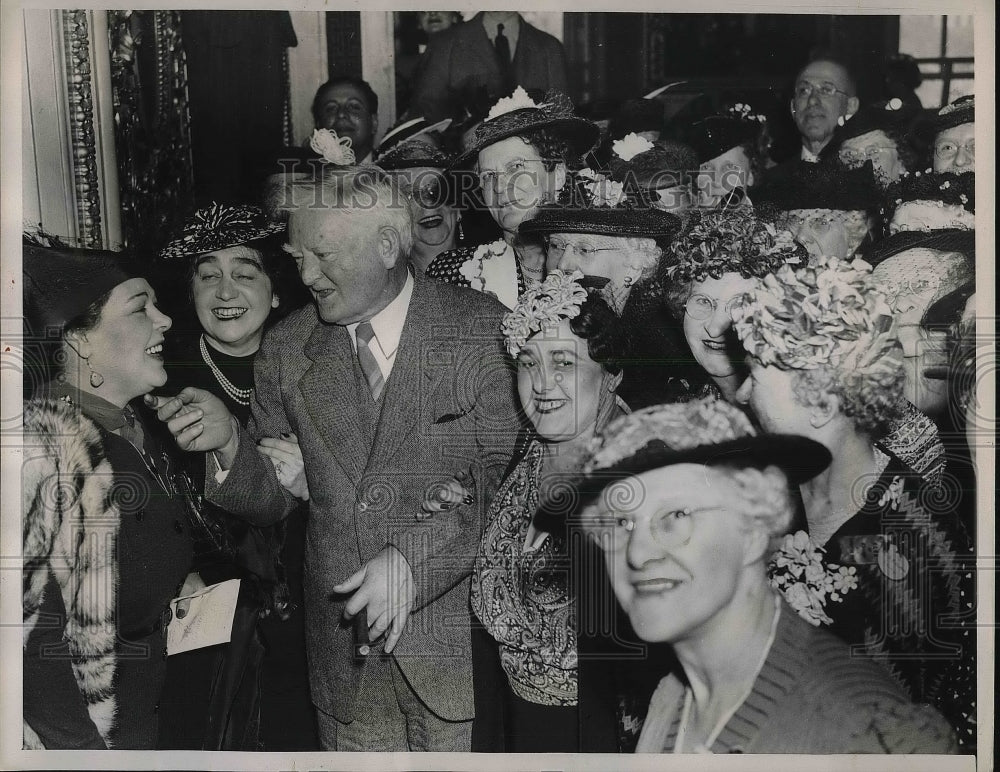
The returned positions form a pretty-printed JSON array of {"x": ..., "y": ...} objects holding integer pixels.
[
  {"x": 853, "y": 103},
  {"x": 388, "y": 245},
  {"x": 375, "y": 126}
]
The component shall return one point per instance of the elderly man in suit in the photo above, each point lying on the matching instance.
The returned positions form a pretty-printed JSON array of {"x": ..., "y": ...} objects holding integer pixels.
[
  {"x": 393, "y": 385},
  {"x": 468, "y": 67}
]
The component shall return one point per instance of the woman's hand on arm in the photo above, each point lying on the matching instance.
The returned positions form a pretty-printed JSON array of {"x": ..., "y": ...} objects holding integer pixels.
[
  {"x": 448, "y": 494},
  {"x": 289, "y": 466}
]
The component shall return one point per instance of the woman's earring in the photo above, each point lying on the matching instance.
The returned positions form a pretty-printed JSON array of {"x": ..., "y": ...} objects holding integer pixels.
[
  {"x": 96, "y": 379},
  {"x": 627, "y": 281},
  {"x": 461, "y": 233}
]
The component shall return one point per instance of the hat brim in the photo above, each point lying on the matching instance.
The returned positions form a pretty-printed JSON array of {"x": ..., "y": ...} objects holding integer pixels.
[
  {"x": 582, "y": 134},
  {"x": 605, "y": 221},
  {"x": 948, "y": 240},
  {"x": 800, "y": 458}
]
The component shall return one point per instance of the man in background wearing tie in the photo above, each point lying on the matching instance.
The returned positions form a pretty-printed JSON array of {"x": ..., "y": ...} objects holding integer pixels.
[
  {"x": 468, "y": 67},
  {"x": 393, "y": 385}
]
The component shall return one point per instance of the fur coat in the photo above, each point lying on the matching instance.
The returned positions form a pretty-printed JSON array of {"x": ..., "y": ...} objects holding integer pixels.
[{"x": 69, "y": 529}]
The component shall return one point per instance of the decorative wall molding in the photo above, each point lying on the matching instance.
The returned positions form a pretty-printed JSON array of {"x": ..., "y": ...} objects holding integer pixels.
[{"x": 83, "y": 151}]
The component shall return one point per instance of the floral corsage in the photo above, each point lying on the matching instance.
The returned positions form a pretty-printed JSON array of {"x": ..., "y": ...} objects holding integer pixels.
[
  {"x": 797, "y": 570},
  {"x": 334, "y": 149},
  {"x": 493, "y": 269}
]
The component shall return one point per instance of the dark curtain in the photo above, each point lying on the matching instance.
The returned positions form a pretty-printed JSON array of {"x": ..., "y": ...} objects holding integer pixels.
[{"x": 237, "y": 89}]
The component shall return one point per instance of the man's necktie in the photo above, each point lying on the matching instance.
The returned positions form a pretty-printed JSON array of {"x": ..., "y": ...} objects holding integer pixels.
[
  {"x": 366, "y": 359},
  {"x": 502, "y": 45}
]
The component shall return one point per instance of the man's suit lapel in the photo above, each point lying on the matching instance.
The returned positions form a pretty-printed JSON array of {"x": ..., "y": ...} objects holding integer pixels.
[
  {"x": 413, "y": 377},
  {"x": 329, "y": 389}
]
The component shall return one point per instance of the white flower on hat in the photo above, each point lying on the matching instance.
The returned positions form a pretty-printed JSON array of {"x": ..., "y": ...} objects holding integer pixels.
[
  {"x": 334, "y": 149},
  {"x": 629, "y": 146},
  {"x": 605, "y": 191},
  {"x": 519, "y": 100}
]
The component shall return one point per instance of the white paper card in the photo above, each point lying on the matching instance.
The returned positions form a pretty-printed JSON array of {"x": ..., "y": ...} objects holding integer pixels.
[{"x": 209, "y": 618}]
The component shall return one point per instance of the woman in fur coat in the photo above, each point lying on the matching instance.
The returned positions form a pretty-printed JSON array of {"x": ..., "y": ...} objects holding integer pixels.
[{"x": 105, "y": 530}]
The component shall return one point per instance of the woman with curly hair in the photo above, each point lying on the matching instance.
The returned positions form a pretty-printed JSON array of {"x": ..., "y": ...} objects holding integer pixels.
[
  {"x": 564, "y": 340},
  {"x": 706, "y": 271},
  {"x": 521, "y": 153},
  {"x": 826, "y": 363}
]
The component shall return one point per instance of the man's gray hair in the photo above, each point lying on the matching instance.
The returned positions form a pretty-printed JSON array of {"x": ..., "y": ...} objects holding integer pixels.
[{"x": 351, "y": 191}]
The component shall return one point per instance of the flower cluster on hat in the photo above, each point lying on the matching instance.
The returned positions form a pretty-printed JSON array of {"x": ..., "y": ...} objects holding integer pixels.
[
  {"x": 745, "y": 112},
  {"x": 679, "y": 426},
  {"x": 729, "y": 241},
  {"x": 334, "y": 149},
  {"x": 558, "y": 297},
  {"x": 519, "y": 100},
  {"x": 798, "y": 572},
  {"x": 601, "y": 189},
  {"x": 493, "y": 269},
  {"x": 631, "y": 145},
  {"x": 828, "y": 313}
]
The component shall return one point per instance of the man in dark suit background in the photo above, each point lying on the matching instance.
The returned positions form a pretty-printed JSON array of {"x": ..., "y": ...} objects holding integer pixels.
[
  {"x": 392, "y": 384},
  {"x": 470, "y": 66}
]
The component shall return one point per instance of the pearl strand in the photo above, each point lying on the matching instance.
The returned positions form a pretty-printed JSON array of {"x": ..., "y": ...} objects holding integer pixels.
[{"x": 242, "y": 396}]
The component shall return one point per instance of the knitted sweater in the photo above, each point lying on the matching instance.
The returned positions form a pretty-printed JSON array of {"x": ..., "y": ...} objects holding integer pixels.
[{"x": 811, "y": 696}]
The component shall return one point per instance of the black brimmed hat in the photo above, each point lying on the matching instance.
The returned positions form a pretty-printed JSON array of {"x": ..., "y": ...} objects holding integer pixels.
[
  {"x": 705, "y": 431},
  {"x": 636, "y": 115},
  {"x": 218, "y": 226},
  {"x": 662, "y": 164},
  {"x": 413, "y": 153},
  {"x": 893, "y": 117},
  {"x": 962, "y": 110},
  {"x": 945, "y": 188},
  {"x": 946, "y": 240},
  {"x": 598, "y": 205},
  {"x": 61, "y": 282},
  {"x": 802, "y": 185},
  {"x": 717, "y": 134},
  {"x": 518, "y": 115}
]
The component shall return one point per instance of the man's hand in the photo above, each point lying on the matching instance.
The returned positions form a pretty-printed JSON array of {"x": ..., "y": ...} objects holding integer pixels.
[
  {"x": 200, "y": 422},
  {"x": 383, "y": 585}
]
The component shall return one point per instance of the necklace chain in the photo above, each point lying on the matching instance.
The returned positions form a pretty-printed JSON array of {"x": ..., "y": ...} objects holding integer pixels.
[
  {"x": 721, "y": 724},
  {"x": 242, "y": 396}
]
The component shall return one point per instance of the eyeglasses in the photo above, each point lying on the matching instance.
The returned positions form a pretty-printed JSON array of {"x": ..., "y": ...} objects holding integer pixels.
[
  {"x": 556, "y": 248},
  {"x": 703, "y": 307},
  {"x": 849, "y": 156},
  {"x": 352, "y": 108},
  {"x": 804, "y": 89},
  {"x": 948, "y": 150},
  {"x": 669, "y": 529},
  {"x": 430, "y": 195},
  {"x": 494, "y": 179}
]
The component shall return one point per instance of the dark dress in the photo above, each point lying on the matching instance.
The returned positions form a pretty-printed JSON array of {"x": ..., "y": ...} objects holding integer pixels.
[
  {"x": 256, "y": 696},
  {"x": 154, "y": 552},
  {"x": 914, "y": 607}
]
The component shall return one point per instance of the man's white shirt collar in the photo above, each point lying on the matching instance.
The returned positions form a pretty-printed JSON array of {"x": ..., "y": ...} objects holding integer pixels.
[{"x": 387, "y": 325}]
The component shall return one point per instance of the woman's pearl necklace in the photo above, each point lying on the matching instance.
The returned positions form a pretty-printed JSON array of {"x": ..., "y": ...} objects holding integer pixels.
[{"x": 242, "y": 396}]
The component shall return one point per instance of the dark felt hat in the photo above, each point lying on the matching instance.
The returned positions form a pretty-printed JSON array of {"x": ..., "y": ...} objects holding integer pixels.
[
  {"x": 894, "y": 117},
  {"x": 218, "y": 226},
  {"x": 555, "y": 114},
  {"x": 949, "y": 188},
  {"x": 803, "y": 185},
  {"x": 668, "y": 163},
  {"x": 636, "y": 115},
  {"x": 60, "y": 283},
  {"x": 945, "y": 240},
  {"x": 413, "y": 153},
  {"x": 705, "y": 431},
  {"x": 962, "y": 110},
  {"x": 717, "y": 134}
]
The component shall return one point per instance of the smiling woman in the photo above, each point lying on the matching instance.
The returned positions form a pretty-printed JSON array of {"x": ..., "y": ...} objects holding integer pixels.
[
  {"x": 239, "y": 280},
  {"x": 106, "y": 544}
]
